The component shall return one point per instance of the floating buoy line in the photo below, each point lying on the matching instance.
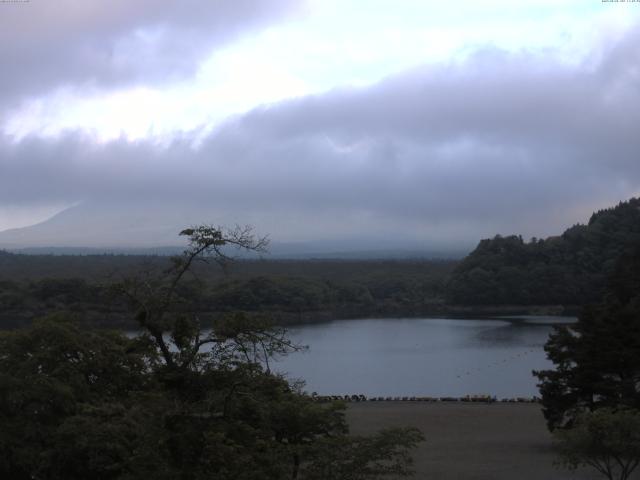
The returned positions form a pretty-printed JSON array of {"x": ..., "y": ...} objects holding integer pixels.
[
  {"x": 463, "y": 399},
  {"x": 496, "y": 364}
]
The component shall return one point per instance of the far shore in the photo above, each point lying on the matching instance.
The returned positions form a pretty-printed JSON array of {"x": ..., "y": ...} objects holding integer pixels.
[
  {"x": 475, "y": 441},
  {"x": 437, "y": 311},
  {"x": 123, "y": 321}
]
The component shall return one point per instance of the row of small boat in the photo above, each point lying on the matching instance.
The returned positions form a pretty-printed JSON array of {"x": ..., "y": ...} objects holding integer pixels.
[{"x": 466, "y": 398}]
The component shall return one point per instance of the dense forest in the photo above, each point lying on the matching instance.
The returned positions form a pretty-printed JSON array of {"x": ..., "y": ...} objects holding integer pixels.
[
  {"x": 289, "y": 291},
  {"x": 570, "y": 269}
]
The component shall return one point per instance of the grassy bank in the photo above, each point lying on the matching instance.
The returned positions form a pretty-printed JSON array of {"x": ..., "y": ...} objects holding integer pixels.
[{"x": 470, "y": 441}]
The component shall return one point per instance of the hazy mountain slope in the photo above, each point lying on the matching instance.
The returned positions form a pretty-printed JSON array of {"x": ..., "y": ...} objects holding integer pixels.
[
  {"x": 96, "y": 225},
  {"x": 123, "y": 228}
]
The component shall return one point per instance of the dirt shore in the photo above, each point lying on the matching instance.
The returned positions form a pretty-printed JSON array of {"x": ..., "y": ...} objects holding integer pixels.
[{"x": 471, "y": 441}]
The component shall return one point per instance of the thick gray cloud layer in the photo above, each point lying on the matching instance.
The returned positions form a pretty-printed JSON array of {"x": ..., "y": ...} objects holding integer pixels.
[
  {"x": 497, "y": 144},
  {"x": 46, "y": 44}
]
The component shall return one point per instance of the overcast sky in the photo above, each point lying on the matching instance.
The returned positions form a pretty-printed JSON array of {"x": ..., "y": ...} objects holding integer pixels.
[{"x": 404, "y": 122}]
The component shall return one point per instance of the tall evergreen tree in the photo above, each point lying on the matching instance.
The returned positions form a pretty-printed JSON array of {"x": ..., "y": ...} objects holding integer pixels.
[{"x": 598, "y": 359}]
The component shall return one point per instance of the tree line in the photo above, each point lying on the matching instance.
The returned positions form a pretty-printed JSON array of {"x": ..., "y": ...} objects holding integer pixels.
[
  {"x": 570, "y": 269},
  {"x": 289, "y": 291}
]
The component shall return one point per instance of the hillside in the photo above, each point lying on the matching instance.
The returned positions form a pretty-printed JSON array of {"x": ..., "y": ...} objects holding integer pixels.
[
  {"x": 569, "y": 269},
  {"x": 144, "y": 228}
]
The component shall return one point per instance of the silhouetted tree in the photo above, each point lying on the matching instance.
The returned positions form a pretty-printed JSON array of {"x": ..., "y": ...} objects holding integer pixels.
[{"x": 597, "y": 360}]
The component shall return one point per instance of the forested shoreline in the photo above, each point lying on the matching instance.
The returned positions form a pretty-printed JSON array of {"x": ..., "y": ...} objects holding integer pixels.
[
  {"x": 569, "y": 269},
  {"x": 319, "y": 291},
  {"x": 286, "y": 291},
  {"x": 502, "y": 276}
]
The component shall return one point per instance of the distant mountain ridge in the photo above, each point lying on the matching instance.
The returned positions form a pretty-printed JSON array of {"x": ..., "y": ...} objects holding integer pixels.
[
  {"x": 570, "y": 269},
  {"x": 98, "y": 225},
  {"x": 144, "y": 229}
]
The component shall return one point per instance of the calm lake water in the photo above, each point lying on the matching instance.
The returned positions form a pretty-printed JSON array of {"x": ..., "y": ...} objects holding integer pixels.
[{"x": 422, "y": 357}]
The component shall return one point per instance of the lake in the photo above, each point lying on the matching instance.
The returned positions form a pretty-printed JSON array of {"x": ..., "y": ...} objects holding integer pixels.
[{"x": 421, "y": 357}]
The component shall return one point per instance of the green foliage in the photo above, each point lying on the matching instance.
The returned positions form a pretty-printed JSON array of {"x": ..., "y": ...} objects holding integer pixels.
[
  {"x": 607, "y": 440},
  {"x": 597, "y": 359},
  {"x": 51, "y": 375},
  {"x": 191, "y": 398},
  {"x": 292, "y": 291},
  {"x": 568, "y": 270},
  {"x": 360, "y": 458},
  {"x": 77, "y": 404}
]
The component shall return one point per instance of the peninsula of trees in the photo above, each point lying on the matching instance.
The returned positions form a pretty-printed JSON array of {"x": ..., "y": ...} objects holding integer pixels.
[{"x": 570, "y": 269}]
